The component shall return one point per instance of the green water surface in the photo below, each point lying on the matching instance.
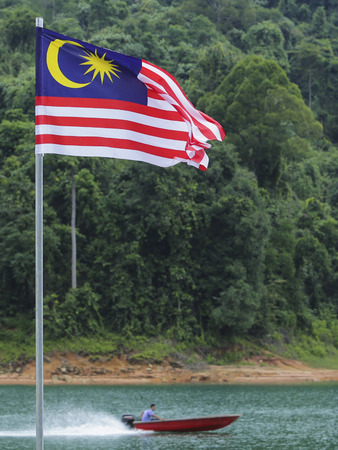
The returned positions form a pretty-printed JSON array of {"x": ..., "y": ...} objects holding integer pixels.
[{"x": 298, "y": 417}]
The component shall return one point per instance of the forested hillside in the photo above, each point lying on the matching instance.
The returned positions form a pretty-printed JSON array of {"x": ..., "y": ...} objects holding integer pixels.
[{"x": 248, "y": 248}]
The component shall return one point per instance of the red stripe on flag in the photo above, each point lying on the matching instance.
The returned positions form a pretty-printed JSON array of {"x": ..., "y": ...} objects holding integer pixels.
[
  {"x": 108, "y": 104},
  {"x": 88, "y": 122},
  {"x": 85, "y": 141}
]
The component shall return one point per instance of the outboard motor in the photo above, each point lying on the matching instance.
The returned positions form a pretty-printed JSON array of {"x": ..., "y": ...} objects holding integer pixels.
[{"x": 128, "y": 419}]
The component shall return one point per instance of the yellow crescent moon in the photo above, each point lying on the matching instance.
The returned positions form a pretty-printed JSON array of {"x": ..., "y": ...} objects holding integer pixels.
[{"x": 53, "y": 64}]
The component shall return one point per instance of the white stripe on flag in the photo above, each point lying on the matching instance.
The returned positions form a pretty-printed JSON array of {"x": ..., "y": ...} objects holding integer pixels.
[
  {"x": 108, "y": 152},
  {"x": 120, "y": 114},
  {"x": 111, "y": 133}
]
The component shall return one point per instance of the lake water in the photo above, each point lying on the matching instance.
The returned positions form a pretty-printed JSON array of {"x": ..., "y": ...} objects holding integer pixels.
[{"x": 88, "y": 417}]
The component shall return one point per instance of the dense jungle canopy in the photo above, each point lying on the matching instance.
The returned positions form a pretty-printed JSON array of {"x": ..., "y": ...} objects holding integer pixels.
[{"x": 249, "y": 247}]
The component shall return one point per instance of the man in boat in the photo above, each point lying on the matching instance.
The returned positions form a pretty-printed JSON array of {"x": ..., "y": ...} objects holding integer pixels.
[{"x": 149, "y": 414}]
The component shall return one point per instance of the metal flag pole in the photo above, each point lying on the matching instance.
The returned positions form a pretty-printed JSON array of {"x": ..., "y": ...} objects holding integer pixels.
[{"x": 39, "y": 289}]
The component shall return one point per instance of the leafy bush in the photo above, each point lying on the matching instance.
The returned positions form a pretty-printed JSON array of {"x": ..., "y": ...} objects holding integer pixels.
[{"x": 78, "y": 315}]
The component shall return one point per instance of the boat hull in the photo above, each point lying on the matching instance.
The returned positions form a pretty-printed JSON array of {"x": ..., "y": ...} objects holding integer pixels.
[{"x": 187, "y": 425}]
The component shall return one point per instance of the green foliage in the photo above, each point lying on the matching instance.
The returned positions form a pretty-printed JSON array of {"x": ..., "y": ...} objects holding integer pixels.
[
  {"x": 235, "y": 268},
  {"x": 248, "y": 248},
  {"x": 17, "y": 93},
  {"x": 154, "y": 353},
  {"x": 213, "y": 63},
  {"x": 19, "y": 30},
  {"x": 313, "y": 65},
  {"x": 266, "y": 39},
  {"x": 319, "y": 23},
  {"x": 12, "y": 135},
  {"x": 319, "y": 348},
  {"x": 77, "y": 315},
  {"x": 16, "y": 237},
  {"x": 17, "y": 339},
  {"x": 264, "y": 128}
]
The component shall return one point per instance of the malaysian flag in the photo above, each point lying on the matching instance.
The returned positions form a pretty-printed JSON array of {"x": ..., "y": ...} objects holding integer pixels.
[{"x": 92, "y": 101}]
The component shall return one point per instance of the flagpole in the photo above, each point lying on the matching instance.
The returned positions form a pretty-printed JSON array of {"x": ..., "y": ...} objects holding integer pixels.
[{"x": 39, "y": 289}]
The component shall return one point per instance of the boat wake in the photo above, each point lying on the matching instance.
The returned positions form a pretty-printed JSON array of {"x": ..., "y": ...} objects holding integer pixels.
[{"x": 75, "y": 423}]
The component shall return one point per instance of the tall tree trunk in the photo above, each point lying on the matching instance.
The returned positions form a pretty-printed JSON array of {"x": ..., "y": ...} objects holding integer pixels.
[{"x": 73, "y": 224}]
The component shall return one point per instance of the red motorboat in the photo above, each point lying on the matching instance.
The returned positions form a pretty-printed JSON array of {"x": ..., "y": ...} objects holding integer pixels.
[{"x": 189, "y": 424}]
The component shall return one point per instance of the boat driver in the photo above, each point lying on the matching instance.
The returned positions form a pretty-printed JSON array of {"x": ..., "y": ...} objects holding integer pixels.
[{"x": 149, "y": 414}]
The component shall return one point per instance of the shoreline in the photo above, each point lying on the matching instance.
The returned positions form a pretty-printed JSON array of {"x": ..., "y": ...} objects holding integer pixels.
[{"x": 65, "y": 368}]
